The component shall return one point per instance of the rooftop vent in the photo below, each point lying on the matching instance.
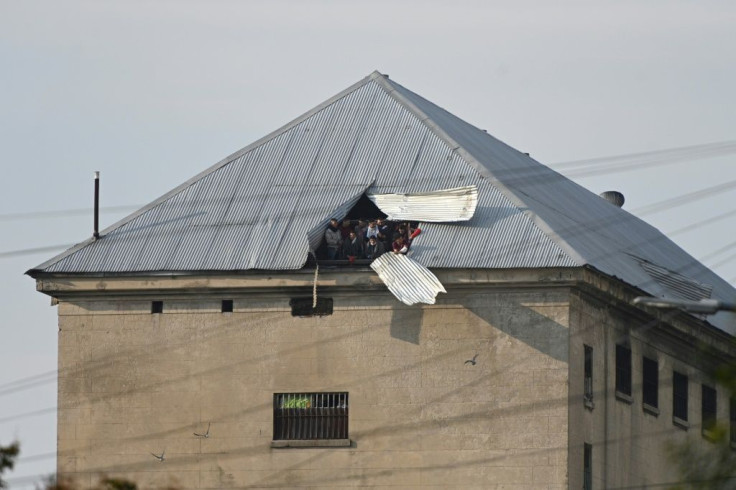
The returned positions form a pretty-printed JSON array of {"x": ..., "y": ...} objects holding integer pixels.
[{"x": 614, "y": 197}]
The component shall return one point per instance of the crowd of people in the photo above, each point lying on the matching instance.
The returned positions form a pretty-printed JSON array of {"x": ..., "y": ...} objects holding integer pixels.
[{"x": 367, "y": 239}]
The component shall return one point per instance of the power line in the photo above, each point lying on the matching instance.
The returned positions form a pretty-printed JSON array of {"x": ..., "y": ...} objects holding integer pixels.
[
  {"x": 21, "y": 385},
  {"x": 616, "y": 163},
  {"x": 701, "y": 223},
  {"x": 685, "y": 198},
  {"x": 65, "y": 212},
  {"x": 682, "y": 153},
  {"x": 32, "y": 251}
]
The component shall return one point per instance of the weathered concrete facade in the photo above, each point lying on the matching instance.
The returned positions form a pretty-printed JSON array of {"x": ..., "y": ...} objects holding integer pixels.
[
  {"x": 630, "y": 441},
  {"x": 133, "y": 383}
]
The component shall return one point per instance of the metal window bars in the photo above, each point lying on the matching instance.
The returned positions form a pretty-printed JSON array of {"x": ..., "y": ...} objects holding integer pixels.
[
  {"x": 310, "y": 416},
  {"x": 588, "y": 389}
]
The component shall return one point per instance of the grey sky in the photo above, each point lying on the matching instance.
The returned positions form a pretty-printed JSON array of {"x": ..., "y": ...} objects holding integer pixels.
[{"x": 152, "y": 92}]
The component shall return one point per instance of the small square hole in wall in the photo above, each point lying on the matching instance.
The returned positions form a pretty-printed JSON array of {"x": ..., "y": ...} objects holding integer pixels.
[
  {"x": 227, "y": 306},
  {"x": 157, "y": 306}
]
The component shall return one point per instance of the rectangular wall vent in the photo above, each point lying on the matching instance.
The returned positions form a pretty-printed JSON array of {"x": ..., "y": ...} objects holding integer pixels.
[{"x": 303, "y": 307}]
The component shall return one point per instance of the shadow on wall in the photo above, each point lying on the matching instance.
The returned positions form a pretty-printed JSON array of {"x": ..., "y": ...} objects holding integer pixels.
[
  {"x": 517, "y": 319},
  {"x": 525, "y": 324},
  {"x": 406, "y": 323}
]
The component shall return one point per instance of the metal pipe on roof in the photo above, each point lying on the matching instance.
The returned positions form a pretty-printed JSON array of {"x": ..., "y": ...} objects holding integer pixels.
[{"x": 96, "y": 231}]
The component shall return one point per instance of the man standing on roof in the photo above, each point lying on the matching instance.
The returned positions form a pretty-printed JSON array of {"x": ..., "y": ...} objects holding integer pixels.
[
  {"x": 333, "y": 239},
  {"x": 353, "y": 247}
]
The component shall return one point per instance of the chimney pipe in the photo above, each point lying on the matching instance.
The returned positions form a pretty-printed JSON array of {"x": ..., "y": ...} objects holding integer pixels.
[
  {"x": 96, "y": 232},
  {"x": 614, "y": 197}
]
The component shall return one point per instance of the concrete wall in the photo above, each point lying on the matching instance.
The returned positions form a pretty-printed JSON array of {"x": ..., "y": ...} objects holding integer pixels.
[
  {"x": 133, "y": 383},
  {"x": 631, "y": 444}
]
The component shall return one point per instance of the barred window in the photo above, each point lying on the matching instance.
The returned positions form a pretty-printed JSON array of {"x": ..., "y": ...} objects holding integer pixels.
[
  {"x": 679, "y": 395},
  {"x": 310, "y": 416},
  {"x": 588, "y": 373},
  {"x": 732, "y": 420},
  {"x": 587, "y": 466},
  {"x": 623, "y": 370},
  {"x": 650, "y": 382},
  {"x": 708, "y": 408}
]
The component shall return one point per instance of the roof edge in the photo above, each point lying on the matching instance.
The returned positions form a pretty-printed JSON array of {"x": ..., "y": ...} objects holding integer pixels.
[{"x": 228, "y": 159}]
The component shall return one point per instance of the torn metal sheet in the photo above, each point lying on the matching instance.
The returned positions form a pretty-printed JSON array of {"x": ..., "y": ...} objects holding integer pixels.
[
  {"x": 317, "y": 233},
  {"x": 408, "y": 280},
  {"x": 441, "y": 206}
]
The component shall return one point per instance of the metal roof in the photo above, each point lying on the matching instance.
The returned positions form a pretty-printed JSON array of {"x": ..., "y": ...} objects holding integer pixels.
[
  {"x": 409, "y": 281},
  {"x": 266, "y": 205}
]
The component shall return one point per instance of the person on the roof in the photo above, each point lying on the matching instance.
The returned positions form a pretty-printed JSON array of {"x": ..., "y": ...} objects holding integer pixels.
[
  {"x": 352, "y": 247},
  {"x": 360, "y": 229},
  {"x": 400, "y": 245},
  {"x": 371, "y": 231},
  {"x": 346, "y": 229},
  {"x": 333, "y": 239},
  {"x": 384, "y": 227},
  {"x": 374, "y": 248}
]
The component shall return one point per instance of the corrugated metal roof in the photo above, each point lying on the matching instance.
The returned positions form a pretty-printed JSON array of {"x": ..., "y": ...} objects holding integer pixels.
[
  {"x": 441, "y": 206},
  {"x": 409, "y": 281},
  {"x": 376, "y": 136},
  {"x": 679, "y": 286}
]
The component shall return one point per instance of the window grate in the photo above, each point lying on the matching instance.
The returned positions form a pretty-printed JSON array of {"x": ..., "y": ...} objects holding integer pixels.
[
  {"x": 623, "y": 370},
  {"x": 587, "y": 467},
  {"x": 679, "y": 395},
  {"x": 588, "y": 373},
  {"x": 732, "y": 418},
  {"x": 650, "y": 382},
  {"x": 310, "y": 416},
  {"x": 708, "y": 407}
]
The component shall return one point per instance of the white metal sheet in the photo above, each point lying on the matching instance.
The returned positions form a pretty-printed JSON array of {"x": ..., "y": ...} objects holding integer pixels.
[
  {"x": 457, "y": 204},
  {"x": 408, "y": 280}
]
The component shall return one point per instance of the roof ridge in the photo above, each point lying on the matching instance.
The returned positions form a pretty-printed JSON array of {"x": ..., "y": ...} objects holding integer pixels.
[{"x": 482, "y": 170}]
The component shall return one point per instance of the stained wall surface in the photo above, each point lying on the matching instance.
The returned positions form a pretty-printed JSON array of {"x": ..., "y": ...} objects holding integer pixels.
[
  {"x": 133, "y": 383},
  {"x": 632, "y": 443}
]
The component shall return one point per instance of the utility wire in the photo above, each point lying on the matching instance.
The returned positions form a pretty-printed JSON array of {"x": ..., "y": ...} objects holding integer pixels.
[
  {"x": 616, "y": 163},
  {"x": 65, "y": 212},
  {"x": 685, "y": 198},
  {"x": 678, "y": 154},
  {"x": 32, "y": 251},
  {"x": 31, "y": 382},
  {"x": 641, "y": 211}
]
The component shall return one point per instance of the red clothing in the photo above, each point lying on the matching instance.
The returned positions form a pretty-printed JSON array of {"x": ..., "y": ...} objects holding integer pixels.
[{"x": 397, "y": 246}]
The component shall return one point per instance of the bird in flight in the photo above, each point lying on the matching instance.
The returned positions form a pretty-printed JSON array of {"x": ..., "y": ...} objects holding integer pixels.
[
  {"x": 161, "y": 458},
  {"x": 206, "y": 435},
  {"x": 472, "y": 361}
]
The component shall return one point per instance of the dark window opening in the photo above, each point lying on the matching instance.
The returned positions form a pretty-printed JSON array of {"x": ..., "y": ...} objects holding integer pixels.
[
  {"x": 227, "y": 306},
  {"x": 304, "y": 307},
  {"x": 310, "y": 416},
  {"x": 623, "y": 370},
  {"x": 587, "y": 467},
  {"x": 588, "y": 374},
  {"x": 732, "y": 418},
  {"x": 365, "y": 209},
  {"x": 679, "y": 395},
  {"x": 708, "y": 408},
  {"x": 650, "y": 382},
  {"x": 157, "y": 306}
]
